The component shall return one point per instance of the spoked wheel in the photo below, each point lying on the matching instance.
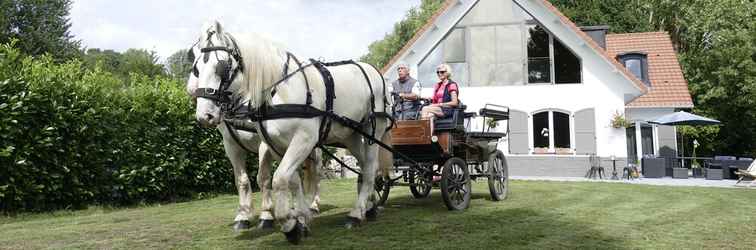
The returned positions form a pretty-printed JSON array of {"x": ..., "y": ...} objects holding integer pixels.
[
  {"x": 381, "y": 189},
  {"x": 420, "y": 184},
  {"x": 456, "y": 186},
  {"x": 498, "y": 176}
]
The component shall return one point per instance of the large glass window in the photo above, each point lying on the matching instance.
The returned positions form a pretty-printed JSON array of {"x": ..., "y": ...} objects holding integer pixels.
[
  {"x": 551, "y": 132},
  {"x": 539, "y": 62},
  {"x": 548, "y": 56},
  {"x": 566, "y": 64}
]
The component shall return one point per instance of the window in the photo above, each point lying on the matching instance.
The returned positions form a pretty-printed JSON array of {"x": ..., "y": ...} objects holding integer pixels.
[
  {"x": 549, "y": 61},
  {"x": 551, "y": 132},
  {"x": 636, "y": 63},
  {"x": 561, "y": 130},
  {"x": 647, "y": 142},
  {"x": 539, "y": 62},
  {"x": 541, "y": 130}
]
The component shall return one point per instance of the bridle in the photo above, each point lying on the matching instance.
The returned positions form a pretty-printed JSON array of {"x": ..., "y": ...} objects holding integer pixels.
[{"x": 224, "y": 69}]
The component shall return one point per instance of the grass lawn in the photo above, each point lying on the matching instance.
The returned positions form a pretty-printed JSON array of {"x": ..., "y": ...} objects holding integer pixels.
[{"x": 536, "y": 215}]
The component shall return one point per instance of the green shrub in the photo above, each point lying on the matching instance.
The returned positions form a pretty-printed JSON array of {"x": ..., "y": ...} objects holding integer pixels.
[{"x": 70, "y": 137}]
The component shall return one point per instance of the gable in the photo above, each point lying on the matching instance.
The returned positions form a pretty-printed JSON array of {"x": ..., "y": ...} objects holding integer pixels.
[{"x": 445, "y": 26}]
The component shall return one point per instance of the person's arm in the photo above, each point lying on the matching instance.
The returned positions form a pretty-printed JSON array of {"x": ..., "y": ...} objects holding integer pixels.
[
  {"x": 408, "y": 96},
  {"x": 412, "y": 96},
  {"x": 453, "y": 103}
]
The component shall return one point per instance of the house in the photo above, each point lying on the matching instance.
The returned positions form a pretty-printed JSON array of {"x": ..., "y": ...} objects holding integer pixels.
[{"x": 564, "y": 85}]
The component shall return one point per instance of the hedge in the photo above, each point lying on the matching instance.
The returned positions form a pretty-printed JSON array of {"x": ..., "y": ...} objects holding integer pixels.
[{"x": 72, "y": 137}]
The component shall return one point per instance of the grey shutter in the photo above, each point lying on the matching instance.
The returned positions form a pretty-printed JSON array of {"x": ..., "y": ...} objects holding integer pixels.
[
  {"x": 667, "y": 144},
  {"x": 518, "y": 132},
  {"x": 585, "y": 131}
]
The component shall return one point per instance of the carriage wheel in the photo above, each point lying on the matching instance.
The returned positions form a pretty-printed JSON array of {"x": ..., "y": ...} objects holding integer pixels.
[
  {"x": 420, "y": 185},
  {"x": 381, "y": 189},
  {"x": 498, "y": 176},
  {"x": 456, "y": 186}
]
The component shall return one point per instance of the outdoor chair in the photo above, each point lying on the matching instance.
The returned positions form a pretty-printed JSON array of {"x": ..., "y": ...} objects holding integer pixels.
[
  {"x": 596, "y": 168},
  {"x": 748, "y": 173}
]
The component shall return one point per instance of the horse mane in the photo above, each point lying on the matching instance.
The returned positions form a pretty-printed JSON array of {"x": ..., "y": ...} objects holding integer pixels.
[
  {"x": 262, "y": 60},
  {"x": 263, "y": 65}
]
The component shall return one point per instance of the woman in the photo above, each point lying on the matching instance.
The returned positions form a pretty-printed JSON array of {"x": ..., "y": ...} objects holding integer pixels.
[{"x": 445, "y": 95}]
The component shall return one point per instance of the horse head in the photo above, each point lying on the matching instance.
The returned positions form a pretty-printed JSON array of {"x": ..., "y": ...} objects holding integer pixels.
[{"x": 216, "y": 63}]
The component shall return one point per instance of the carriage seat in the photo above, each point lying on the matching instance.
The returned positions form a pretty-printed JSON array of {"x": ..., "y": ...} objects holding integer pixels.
[
  {"x": 495, "y": 112},
  {"x": 455, "y": 122}
]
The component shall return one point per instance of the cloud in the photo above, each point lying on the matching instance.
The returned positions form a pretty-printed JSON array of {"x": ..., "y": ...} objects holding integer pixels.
[{"x": 333, "y": 30}]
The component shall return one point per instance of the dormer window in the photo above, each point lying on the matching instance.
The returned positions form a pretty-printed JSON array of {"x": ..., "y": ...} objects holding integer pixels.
[{"x": 636, "y": 63}]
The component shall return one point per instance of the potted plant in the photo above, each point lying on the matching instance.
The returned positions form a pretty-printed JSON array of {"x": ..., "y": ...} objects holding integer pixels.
[
  {"x": 619, "y": 121},
  {"x": 491, "y": 123}
]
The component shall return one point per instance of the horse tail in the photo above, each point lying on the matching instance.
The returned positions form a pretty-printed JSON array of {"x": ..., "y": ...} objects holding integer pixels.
[{"x": 385, "y": 157}]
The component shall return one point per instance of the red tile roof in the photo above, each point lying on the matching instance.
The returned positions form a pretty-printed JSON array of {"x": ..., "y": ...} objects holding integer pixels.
[{"x": 668, "y": 85}]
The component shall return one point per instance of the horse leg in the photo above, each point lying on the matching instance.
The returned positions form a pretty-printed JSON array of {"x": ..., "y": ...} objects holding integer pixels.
[
  {"x": 238, "y": 156},
  {"x": 263, "y": 181},
  {"x": 312, "y": 180},
  {"x": 286, "y": 186},
  {"x": 311, "y": 188},
  {"x": 356, "y": 147}
]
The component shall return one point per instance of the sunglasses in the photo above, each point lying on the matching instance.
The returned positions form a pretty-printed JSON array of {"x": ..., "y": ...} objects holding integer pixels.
[{"x": 440, "y": 72}]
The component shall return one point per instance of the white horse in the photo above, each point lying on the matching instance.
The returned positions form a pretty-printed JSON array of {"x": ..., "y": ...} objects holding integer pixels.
[
  {"x": 267, "y": 67},
  {"x": 237, "y": 151}
]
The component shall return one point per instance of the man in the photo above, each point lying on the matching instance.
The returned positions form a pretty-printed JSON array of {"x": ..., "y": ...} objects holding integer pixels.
[{"x": 406, "y": 104}]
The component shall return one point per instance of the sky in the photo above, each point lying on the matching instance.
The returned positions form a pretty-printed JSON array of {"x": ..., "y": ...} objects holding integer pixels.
[{"x": 327, "y": 29}]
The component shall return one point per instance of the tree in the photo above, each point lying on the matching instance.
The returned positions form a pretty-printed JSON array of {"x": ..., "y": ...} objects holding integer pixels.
[
  {"x": 141, "y": 61},
  {"x": 718, "y": 53},
  {"x": 381, "y": 51},
  {"x": 39, "y": 26},
  {"x": 138, "y": 61},
  {"x": 178, "y": 65},
  {"x": 108, "y": 60}
]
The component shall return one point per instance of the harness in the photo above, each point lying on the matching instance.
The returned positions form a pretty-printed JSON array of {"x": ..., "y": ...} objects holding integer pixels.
[
  {"x": 285, "y": 111},
  {"x": 223, "y": 69},
  {"x": 238, "y": 114}
]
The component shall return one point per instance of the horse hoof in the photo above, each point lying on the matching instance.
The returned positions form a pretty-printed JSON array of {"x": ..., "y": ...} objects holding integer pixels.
[
  {"x": 372, "y": 214},
  {"x": 242, "y": 225},
  {"x": 265, "y": 224},
  {"x": 295, "y": 235},
  {"x": 352, "y": 223}
]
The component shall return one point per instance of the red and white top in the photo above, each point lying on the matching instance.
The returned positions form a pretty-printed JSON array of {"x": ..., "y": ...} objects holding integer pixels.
[{"x": 438, "y": 96}]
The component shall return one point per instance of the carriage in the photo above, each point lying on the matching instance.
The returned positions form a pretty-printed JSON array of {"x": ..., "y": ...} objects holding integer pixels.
[{"x": 445, "y": 153}]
